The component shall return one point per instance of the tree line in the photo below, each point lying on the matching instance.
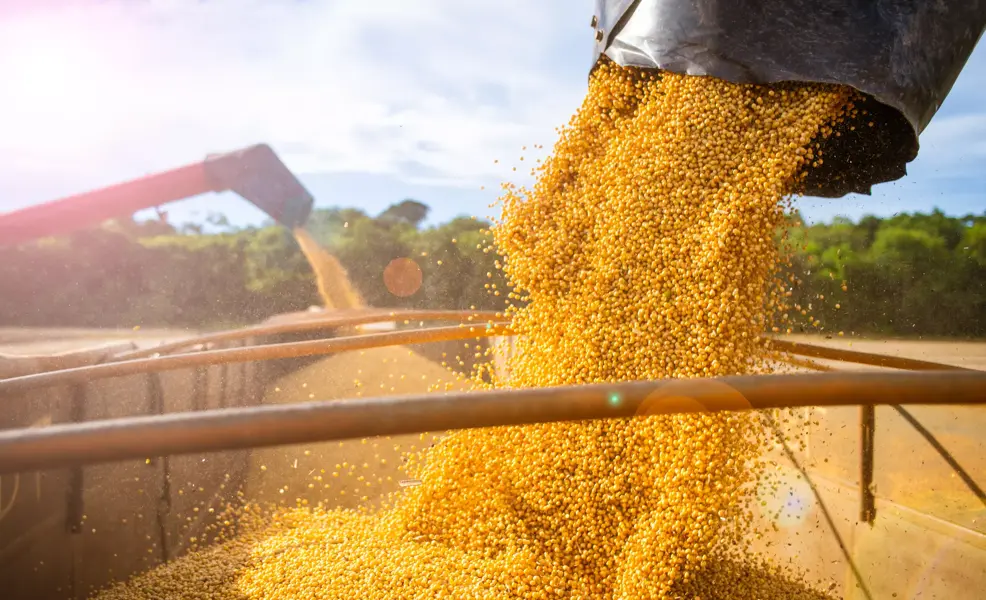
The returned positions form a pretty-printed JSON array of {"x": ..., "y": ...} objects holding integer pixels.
[
  {"x": 911, "y": 274},
  {"x": 149, "y": 273}
]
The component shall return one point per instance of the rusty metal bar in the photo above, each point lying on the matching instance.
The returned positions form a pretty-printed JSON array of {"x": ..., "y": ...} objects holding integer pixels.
[
  {"x": 25, "y": 450},
  {"x": 223, "y": 385},
  {"x": 862, "y": 358},
  {"x": 232, "y": 355},
  {"x": 16, "y": 365},
  {"x": 361, "y": 342},
  {"x": 155, "y": 390},
  {"x": 75, "y": 493},
  {"x": 200, "y": 389},
  {"x": 314, "y": 324},
  {"x": 804, "y": 363},
  {"x": 337, "y": 319},
  {"x": 328, "y": 346},
  {"x": 867, "y": 445}
]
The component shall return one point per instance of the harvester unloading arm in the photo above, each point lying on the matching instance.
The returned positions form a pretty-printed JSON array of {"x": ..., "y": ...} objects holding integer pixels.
[
  {"x": 903, "y": 55},
  {"x": 255, "y": 173}
]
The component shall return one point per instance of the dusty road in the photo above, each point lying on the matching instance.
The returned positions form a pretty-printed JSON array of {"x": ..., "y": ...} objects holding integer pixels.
[{"x": 908, "y": 470}]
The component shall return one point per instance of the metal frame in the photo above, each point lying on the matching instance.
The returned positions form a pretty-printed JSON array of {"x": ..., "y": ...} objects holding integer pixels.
[
  {"x": 160, "y": 436},
  {"x": 141, "y": 437},
  {"x": 247, "y": 354},
  {"x": 23, "y": 450}
]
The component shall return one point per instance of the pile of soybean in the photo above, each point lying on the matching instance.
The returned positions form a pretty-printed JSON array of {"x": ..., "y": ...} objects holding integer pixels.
[{"x": 645, "y": 250}]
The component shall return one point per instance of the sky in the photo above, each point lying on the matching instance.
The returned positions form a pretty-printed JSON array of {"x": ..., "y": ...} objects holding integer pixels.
[{"x": 367, "y": 102}]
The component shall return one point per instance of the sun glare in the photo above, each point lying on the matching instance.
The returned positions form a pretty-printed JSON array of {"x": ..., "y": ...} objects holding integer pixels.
[
  {"x": 44, "y": 64},
  {"x": 61, "y": 88}
]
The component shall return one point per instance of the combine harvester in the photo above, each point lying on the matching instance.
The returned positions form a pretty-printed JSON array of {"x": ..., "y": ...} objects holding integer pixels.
[{"x": 159, "y": 433}]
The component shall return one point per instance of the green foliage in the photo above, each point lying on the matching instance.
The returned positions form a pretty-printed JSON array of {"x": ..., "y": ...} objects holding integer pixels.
[
  {"x": 907, "y": 275},
  {"x": 128, "y": 273},
  {"x": 106, "y": 278},
  {"x": 912, "y": 274}
]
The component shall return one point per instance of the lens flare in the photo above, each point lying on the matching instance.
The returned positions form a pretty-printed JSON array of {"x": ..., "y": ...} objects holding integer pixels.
[
  {"x": 402, "y": 277},
  {"x": 787, "y": 500}
]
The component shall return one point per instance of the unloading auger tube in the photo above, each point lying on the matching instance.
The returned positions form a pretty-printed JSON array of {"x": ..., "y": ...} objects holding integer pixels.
[
  {"x": 255, "y": 173},
  {"x": 904, "y": 55}
]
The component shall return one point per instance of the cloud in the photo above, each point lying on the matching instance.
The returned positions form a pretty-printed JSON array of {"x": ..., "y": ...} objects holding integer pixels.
[
  {"x": 431, "y": 89},
  {"x": 418, "y": 96}
]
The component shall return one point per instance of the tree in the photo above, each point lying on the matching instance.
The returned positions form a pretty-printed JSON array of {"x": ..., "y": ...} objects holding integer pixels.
[
  {"x": 910, "y": 274},
  {"x": 409, "y": 211}
]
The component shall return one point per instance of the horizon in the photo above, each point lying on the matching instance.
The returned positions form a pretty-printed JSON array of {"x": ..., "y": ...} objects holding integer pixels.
[{"x": 103, "y": 93}]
